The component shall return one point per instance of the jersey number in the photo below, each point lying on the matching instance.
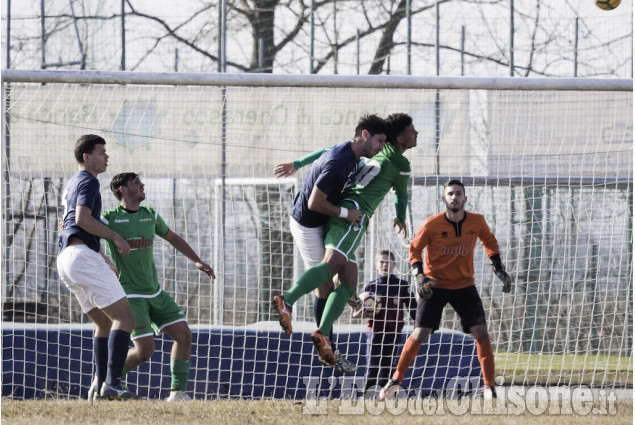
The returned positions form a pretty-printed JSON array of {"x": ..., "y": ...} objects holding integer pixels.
[{"x": 368, "y": 172}]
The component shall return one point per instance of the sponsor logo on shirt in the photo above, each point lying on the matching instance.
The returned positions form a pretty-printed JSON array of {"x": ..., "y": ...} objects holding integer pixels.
[
  {"x": 458, "y": 251},
  {"x": 122, "y": 220},
  {"x": 145, "y": 219},
  {"x": 140, "y": 242}
]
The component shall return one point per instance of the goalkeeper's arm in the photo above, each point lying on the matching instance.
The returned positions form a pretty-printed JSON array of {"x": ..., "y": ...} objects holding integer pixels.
[{"x": 499, "y": 270}]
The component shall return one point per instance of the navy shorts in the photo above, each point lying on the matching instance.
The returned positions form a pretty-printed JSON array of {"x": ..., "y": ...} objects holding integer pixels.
[{"x": 466, "y": 302}]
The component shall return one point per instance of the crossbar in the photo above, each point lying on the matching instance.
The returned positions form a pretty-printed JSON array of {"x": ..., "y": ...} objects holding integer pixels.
[{"x": 288, "y": 80}]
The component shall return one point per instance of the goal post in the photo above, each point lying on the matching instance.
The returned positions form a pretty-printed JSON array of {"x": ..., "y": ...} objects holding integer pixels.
[{"x": 547, "y": 161}]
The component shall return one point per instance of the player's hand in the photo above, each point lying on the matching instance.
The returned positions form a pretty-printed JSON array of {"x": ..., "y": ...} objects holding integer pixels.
[
  {"x": 501, "y": 274},
  {"x": 363, "y": 313},
  {"x": 355, "y": 302},
  {"x": 504, "y": 277},
  {"x": 205, "y": 268},
  {"x": 284, "y": 170},
  {"x": 416, "y": 269},
  {"x": 423, "y": 284},
  {"x": 61, "y": 225},
  {"x": 355, "y": 216},
  {"x": 401, "y": 227},
  {"x": 122, "y": 245}
]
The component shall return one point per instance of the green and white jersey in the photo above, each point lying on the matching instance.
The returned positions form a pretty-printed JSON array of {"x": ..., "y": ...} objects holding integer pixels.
[
  {"x": 388, "y": 169},
  {"x": 137, "y": 272}
]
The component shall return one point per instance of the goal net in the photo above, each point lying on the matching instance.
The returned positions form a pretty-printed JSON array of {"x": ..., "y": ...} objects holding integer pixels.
[{"x": 549, "y": 163}]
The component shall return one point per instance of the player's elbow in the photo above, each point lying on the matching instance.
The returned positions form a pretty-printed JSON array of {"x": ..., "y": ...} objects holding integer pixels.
[
  {"x": 313, "y": 204},
  {"x": 81, "y": 220}
]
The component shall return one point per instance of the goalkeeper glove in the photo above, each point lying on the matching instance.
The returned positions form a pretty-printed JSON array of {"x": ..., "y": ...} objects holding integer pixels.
[
  {"x": 501, "y": 274},
  {"x": 422, "y": 282},
  {"x": 355, "y": 302}
]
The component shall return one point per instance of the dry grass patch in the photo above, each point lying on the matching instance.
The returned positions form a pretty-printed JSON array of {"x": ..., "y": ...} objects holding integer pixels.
[{"x": 48, "y": 412}]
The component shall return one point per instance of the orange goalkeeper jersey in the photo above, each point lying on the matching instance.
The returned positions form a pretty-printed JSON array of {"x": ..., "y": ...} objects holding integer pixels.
[{"x": 450, "y": 248}]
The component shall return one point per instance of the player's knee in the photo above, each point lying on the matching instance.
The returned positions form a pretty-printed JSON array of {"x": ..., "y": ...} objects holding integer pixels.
[
  {"x": 479, "y": 332},
  {"x": 144, "y": 349},
  {"x": 325, "y": 289},
  {"x": 127, "y": 320},
  {"x": 184, "y": 336},
  {"x": 145, "y": 355},
  {"x": 420, "y": 334}
]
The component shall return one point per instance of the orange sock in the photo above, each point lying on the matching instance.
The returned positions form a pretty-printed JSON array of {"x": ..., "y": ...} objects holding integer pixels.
[
  {"x": 486, "y": 358},
  {"x": 408, "y": 354}
]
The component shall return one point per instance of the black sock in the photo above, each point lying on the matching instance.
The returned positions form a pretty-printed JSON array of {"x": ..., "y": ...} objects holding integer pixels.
[
  {"x": 117, "y": 352},
  {"x": 100, "y": 357}
]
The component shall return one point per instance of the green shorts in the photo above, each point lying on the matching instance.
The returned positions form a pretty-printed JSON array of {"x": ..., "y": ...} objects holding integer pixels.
[
  {"x": 154, "y": 314},
  {"x": 344, "y": 237}
]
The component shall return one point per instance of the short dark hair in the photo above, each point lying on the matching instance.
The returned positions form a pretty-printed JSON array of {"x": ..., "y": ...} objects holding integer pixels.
[
  {"x": 372, "y": 123},
  {"x": 388, "y": 253},
  {"x": 86, "y": 144},
  {"x": 397, "y": 123},
  {"x": 452, "y": 183},
  {"x": 121, "y": 179}
]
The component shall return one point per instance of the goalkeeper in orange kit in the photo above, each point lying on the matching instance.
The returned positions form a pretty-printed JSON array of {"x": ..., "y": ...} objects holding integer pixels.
[{"x": 449, "y": 238}]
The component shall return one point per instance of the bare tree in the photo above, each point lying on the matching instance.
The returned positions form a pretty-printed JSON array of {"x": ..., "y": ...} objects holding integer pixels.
[{"x": 544, "y": 45}]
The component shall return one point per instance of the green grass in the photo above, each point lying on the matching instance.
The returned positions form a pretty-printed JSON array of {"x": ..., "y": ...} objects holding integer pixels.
[
  {"x": 568, "y": 368},
  {"x": 545, "y": 362}
]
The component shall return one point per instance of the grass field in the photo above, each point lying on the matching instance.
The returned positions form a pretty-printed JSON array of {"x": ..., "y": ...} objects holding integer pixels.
[
  {"x": 50, "y": 412},
  {"x": 554, "y": 369}
]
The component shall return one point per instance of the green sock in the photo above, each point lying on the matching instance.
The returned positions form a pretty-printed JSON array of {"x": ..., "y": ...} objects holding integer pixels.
[
  {"x": 334, "y": 307},
  {"x": 310, "y": 280},
  {"x": 180, "y": 370},
  {"x": 126, "y": 369}
]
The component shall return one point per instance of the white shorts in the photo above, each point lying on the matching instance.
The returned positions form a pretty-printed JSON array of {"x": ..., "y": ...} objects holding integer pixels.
[
  {"x": 310, "y": 242},
  {"x": 88, "y": 277}
]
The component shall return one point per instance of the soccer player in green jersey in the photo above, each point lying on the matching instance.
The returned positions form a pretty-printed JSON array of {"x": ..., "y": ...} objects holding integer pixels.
[
  {"x": 388, "y": 169},
  {"x": 154, "y": 310}
]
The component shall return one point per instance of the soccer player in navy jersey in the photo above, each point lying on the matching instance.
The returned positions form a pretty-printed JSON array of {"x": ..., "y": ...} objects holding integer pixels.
[
  {"x": 386, "y": 170},
  {"x": 88, "y": 273},
  {"x": 328, "y": 181}
]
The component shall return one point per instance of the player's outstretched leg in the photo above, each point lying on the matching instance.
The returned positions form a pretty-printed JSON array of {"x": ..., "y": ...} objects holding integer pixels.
[
  {"x": 323, "y": 347},
  {"x": 283, "y": 309}
]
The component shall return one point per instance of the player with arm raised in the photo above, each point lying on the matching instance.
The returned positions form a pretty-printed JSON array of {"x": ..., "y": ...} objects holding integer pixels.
[
  {"x": 449, "y": 238},
  {"x": 388, "y": 169},
  {"x": 88, "y": 273},
  {"x": 327, "y": 182},
  {"x": 155, "y": 311},
  {"x": 310, "y": 242}
]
